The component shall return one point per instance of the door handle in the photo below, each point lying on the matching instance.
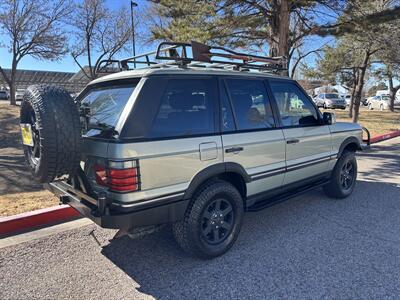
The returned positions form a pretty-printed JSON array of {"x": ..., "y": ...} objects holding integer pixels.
[
  {"x": 292, "y": 141},
  {"x": 234, "y": 150}
]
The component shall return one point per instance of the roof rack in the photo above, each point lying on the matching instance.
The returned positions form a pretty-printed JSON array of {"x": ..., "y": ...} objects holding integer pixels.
[{"x": 198, "y": 55}]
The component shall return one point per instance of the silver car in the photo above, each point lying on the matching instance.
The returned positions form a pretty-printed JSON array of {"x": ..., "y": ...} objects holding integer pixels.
[
  {"x": 330, "y": 100},
  {"x": 193, "y": 146}
]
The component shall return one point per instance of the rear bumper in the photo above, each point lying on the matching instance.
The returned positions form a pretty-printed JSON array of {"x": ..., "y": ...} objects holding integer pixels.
[{"x": 99, "y": 212}]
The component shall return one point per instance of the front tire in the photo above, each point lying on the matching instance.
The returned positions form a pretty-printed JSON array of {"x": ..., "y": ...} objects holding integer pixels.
[
  {"x": 343, "y": 178},
  {"x": 212, "y": 221}
]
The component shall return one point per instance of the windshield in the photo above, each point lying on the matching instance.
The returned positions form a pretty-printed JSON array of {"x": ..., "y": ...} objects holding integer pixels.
[
  {"x": 107, "y": 104},
  {"x": 331, "y": 96}
]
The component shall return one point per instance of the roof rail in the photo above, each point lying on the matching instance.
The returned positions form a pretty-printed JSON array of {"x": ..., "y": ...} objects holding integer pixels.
[{"x": 184, "y": 54}]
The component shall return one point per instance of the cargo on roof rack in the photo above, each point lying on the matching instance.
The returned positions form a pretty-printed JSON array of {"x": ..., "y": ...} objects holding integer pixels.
[{"x": 195, "y": 54}]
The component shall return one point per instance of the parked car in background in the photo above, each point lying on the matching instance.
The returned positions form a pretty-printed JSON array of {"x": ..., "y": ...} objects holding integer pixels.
[
  {"x": 19, "y": 94},
  {"x": 364, "y": 101},
  {"x": 347, "y": 98},
  {"x": 4, "y": 95},
  {"x": 330, "y": 100},
  {"x": 381, "y": 102}
]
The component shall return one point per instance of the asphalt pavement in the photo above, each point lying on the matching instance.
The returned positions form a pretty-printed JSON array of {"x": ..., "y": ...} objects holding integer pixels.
[{"x": 309, "y": 247}]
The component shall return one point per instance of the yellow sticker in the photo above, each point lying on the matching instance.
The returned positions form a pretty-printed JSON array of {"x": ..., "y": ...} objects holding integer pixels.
[{"x": 26, "y": 131}]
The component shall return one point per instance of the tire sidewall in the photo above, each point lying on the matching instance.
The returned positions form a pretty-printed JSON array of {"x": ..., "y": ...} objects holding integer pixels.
[
  {"x": 346, "y": 157},
  {"x": 37, "y": 169},
  {"x": 201, "y": 202}
]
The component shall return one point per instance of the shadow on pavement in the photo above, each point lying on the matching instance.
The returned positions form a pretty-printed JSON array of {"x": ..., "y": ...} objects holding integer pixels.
[
  {"x": 384, "y": 162},
  {"x": 306, "y": 247}
]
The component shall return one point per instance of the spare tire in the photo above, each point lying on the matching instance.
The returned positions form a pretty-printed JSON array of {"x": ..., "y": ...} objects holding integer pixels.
[{"x": 55, "y": 148}]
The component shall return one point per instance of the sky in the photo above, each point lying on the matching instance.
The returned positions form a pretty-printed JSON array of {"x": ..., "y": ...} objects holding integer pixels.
[{"x": 66, "y": 63}]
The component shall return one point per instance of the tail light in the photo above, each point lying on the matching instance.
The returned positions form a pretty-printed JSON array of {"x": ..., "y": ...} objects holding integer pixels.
[{"x": 119, "y": 176}]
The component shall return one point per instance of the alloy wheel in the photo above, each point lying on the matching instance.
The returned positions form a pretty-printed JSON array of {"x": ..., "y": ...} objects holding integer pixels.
[
  {"x": 217, "y": 221},
  {"x": 347, "y": 175}
]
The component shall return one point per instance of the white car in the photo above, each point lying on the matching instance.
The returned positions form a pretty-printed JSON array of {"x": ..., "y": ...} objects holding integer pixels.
[
  {"x": 19, "y": 94},
  {"x": 381, "y": 102},
  {"x": 347, "y": 98}
]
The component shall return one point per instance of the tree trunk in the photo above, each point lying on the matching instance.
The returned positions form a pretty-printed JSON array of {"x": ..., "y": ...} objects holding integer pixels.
[
  {"x": 353, "y": 92},
  {"x": 11, "y": 84},
  {"x": 360, "y": 86},
  {"x": 280, "y": 27},
  {"x": 392, "y": 92}
]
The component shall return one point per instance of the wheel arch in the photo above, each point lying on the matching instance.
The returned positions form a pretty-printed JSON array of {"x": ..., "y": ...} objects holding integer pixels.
[
  {"x": 349, "y": 144},
  {"x": 229, "y": 171}
]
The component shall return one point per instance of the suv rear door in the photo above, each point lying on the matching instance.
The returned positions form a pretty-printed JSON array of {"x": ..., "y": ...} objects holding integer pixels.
[
  {"x": 250, "y": 136},
  {"x": 308, "y": 141}
]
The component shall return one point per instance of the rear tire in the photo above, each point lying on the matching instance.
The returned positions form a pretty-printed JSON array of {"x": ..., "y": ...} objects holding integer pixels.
[
  {"x": 343, "y": 178},
  {"x": 56, "y": 129},
  {"x": 212, "y": 221}
]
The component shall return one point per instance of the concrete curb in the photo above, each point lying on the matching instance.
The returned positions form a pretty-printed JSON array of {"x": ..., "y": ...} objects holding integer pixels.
[
  {"x": 386, "y": 136},
  {"x": 37, "y": 218}
]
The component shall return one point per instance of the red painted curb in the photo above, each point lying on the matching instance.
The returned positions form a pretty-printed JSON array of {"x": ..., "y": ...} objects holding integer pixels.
[
  {"x": 36, "y": 218},
  {"x": 385, "y": 136}
]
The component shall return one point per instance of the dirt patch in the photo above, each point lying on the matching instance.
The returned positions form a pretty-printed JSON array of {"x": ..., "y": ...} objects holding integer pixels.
[
  {"x": 377, "y": 122},
  {"x": 13, "y": 204},
  {"x": 18, "y": 191}
]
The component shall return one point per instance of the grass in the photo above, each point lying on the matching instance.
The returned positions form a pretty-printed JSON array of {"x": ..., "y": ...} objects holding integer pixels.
[
  {"x": 17, "y": 203},
  {"x": 18, "y": 192},
  {"x": 377, "y": 122}
]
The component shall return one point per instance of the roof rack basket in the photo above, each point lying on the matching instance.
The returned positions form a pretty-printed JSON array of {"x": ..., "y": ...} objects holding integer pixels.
[{"x": 195, "y": 54}]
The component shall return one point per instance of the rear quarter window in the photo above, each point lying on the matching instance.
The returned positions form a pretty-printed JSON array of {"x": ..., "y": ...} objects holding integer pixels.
[{"x": 186, "y": 108}]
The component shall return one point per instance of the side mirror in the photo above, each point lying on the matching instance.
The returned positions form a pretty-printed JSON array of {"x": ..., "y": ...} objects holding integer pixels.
[{"x": 329, "y": 118}]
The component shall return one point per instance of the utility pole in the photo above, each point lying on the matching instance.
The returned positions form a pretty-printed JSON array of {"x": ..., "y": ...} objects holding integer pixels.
[{"x": 133, "y": 4}]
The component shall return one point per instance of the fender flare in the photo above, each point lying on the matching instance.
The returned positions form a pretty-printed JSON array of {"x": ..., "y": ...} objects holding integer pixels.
[
  {"x": 348, "y": 141},
  {"x": 212, "y": 171}
]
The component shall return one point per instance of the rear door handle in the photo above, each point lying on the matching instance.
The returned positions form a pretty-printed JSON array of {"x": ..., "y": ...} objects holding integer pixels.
[
  {"x": 234, "y": 150},
  {"x": 292, "y": 141}
]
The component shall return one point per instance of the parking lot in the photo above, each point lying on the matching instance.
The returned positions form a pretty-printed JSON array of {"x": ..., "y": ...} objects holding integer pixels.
[{"x": 307, "y": 247}]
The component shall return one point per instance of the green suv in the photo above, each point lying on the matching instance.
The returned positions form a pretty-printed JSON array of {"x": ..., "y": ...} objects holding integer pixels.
[{"x": 192, "y": 142}]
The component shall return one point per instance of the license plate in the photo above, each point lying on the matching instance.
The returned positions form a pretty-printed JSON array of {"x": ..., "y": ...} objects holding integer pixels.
[{"x": 26, "y": 131}]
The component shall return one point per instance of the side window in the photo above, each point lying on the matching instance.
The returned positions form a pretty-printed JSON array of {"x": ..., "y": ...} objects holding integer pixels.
[
  {"x": 227, "y": 121},
  {"x": 294, "y": 107},
  {"x": 250, "y": 103},
  {"x": 187, "y": 108}
]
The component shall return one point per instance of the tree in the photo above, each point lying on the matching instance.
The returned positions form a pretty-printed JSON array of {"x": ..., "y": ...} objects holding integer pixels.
[
  {"x": 281, "y": 24},
  {"x": 378, "y": 87},
  {"x": 389, "y": 61},
  {"x": 359, "y": 44},
  {"x": 32, "y": 28},
  {"x": 98, "y": 31}
]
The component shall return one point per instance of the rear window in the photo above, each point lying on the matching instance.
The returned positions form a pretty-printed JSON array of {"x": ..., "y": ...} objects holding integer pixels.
[
  {"x": 106, "y": 104},
  {"x": 331, "y": 96}
]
